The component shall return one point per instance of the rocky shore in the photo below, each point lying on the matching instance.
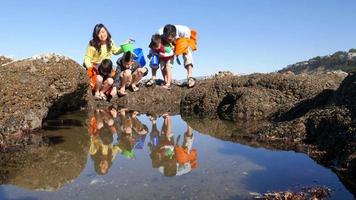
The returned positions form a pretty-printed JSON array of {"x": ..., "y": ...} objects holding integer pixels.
[
  {"x": 314, "y": 114},
  {"x": 37, "y": 88}
]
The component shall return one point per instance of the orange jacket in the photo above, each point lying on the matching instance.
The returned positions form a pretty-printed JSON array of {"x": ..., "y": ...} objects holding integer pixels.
[{"x": 183, "y": 44}]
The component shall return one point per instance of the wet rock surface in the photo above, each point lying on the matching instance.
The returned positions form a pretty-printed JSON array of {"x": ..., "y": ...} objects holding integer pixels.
[
  {"x": 51, "y": 158},
  {"x": 37, "y": 88}
]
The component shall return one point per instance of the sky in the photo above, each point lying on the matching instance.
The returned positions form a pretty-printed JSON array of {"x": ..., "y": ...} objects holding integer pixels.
[{"x": 240, "y": 36}]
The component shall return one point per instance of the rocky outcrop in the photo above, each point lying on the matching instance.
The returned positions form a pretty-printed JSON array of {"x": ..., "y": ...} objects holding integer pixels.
[
  {"x": 5, "y": 60},
  {"x": 317, "y": 119},
  {"x": 323, "y": 126},
  {"x": 341, "y": 60},
  {"x": 154, "y": 99},
  {"x": 254, "y": 97},
  {"x": 37, "y": 88}
]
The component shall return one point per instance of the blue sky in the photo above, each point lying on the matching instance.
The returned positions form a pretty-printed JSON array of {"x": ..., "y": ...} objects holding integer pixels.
[{"x": 240, "y": 36}]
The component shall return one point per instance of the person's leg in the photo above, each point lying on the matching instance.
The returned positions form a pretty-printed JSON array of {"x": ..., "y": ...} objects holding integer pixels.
[
  {"x": 169, "y": 66},
  {"x": 137, "y": 76},
  {"x": 153, "y": 78},
  {"x": 168, "y": 126},
  {"x": 125, "y": 80},
  {"x": 106, "y": 85},
  {"x": 167, "y": 73},
  {"x": 164, "y": 70},
  {"x": 98, "y": 85},
  {"x": 154, "y": 73},
  {"x": 188, "y": 138},
  {"x": 113, "y": 91},
  {"x": 188, "y": 64}
]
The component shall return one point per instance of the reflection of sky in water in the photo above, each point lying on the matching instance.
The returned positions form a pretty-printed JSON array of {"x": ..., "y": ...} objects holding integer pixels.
[{"x": 225, "y": 171}]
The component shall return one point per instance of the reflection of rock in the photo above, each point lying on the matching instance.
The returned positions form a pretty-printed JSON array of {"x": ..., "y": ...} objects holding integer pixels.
[
  {"x": 324, "y": 127},
  {"x": 36, "y": 88},
  {"x": 57, "y": 158}
]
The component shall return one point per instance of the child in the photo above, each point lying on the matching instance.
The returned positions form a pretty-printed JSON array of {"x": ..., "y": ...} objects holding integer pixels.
[
  {"x": 102, "y": 79},
  {"x": 185, "y": 41},
  {"x": 129, "y": 73},
  {"x": 165, "y": 53}
]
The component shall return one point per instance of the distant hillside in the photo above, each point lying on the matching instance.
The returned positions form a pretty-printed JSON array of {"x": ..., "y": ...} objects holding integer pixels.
[{"x": 341, "y": 60}]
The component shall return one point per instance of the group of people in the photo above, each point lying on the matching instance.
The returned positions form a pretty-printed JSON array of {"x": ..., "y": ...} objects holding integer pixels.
[
  {"x": 170, "y": 42},
  {"x": 119, "y": 131},
  {"x": 111, "y": 132},
  {"x": 170, "y": 156}
]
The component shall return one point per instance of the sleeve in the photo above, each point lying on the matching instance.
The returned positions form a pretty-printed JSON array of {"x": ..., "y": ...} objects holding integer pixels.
[
  {"x": 183, "y": 31},
  {"x": 114, "y": 49},
  {"x": 150, "y": 54},
  {"x": 89, "y": 56}
]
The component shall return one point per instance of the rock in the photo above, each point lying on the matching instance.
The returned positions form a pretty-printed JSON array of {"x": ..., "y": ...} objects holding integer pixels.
[
  {"x": 254, "y": 97},
  {"x": 5, "y": 60},
  {"x": 224, "y": 73},
  {"x": 27, "y": 98}
]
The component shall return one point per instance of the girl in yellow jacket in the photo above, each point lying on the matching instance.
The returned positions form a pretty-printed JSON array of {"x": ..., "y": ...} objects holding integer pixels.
[{"x": 101, "y": 47}]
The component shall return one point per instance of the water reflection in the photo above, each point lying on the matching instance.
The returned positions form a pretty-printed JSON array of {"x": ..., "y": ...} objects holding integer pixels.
[
  {"x": 113, "y": 153},
  {"x": 119, "y": 131},
  {"x": 168, "y": 155}
]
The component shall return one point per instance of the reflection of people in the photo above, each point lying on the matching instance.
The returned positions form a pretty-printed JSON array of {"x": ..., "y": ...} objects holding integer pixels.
[
  {"x": 186, "y": 156},
  {"x": 140, "y": 131},
  {"x": 133, "y": 133},
  {"x": 162, "y": 152},
  {"x": 102, "y": 150},
  {"x": 171, "y": 158}
]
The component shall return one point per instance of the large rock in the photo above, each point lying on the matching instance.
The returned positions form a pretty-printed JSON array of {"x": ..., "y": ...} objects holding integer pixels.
[
  {"x": 327, "y": 123},
  {"x": 254, "y": 97},
  {"x": 154, "y": 99},
  {"x": 37, "y": 88}
]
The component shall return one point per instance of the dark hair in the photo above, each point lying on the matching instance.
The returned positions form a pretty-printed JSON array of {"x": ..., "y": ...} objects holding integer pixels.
[
  {"x": 95, "y": 42},
  {"x": 155, "y": 40},
  {"x": 128, "y": 56},
  {"x": 170, "y": 30},
  {"x": 98, "y": 157},
  {"x": 105, "y": 67},
  {"x": 170, "y": 166}
]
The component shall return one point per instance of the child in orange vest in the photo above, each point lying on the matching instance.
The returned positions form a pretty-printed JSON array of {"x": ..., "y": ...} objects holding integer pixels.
[
  {"x": 102, "y": 79},
  {"x": 185, "y": 40}
]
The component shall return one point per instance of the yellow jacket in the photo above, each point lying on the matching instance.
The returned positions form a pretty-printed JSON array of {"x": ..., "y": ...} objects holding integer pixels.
[{"x": 93, "y": 56}]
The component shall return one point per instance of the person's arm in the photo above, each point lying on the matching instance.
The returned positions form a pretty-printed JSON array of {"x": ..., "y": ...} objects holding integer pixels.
[
  {"x": 89, "y": 56},
  {"x": 166, "y": 52},
  {"x": 150, "y": 54},
  {"x": 114, "y": 49}
]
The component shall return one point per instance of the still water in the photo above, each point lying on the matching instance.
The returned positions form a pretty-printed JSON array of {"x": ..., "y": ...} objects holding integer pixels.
[{"x": 121, "y": 154}]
